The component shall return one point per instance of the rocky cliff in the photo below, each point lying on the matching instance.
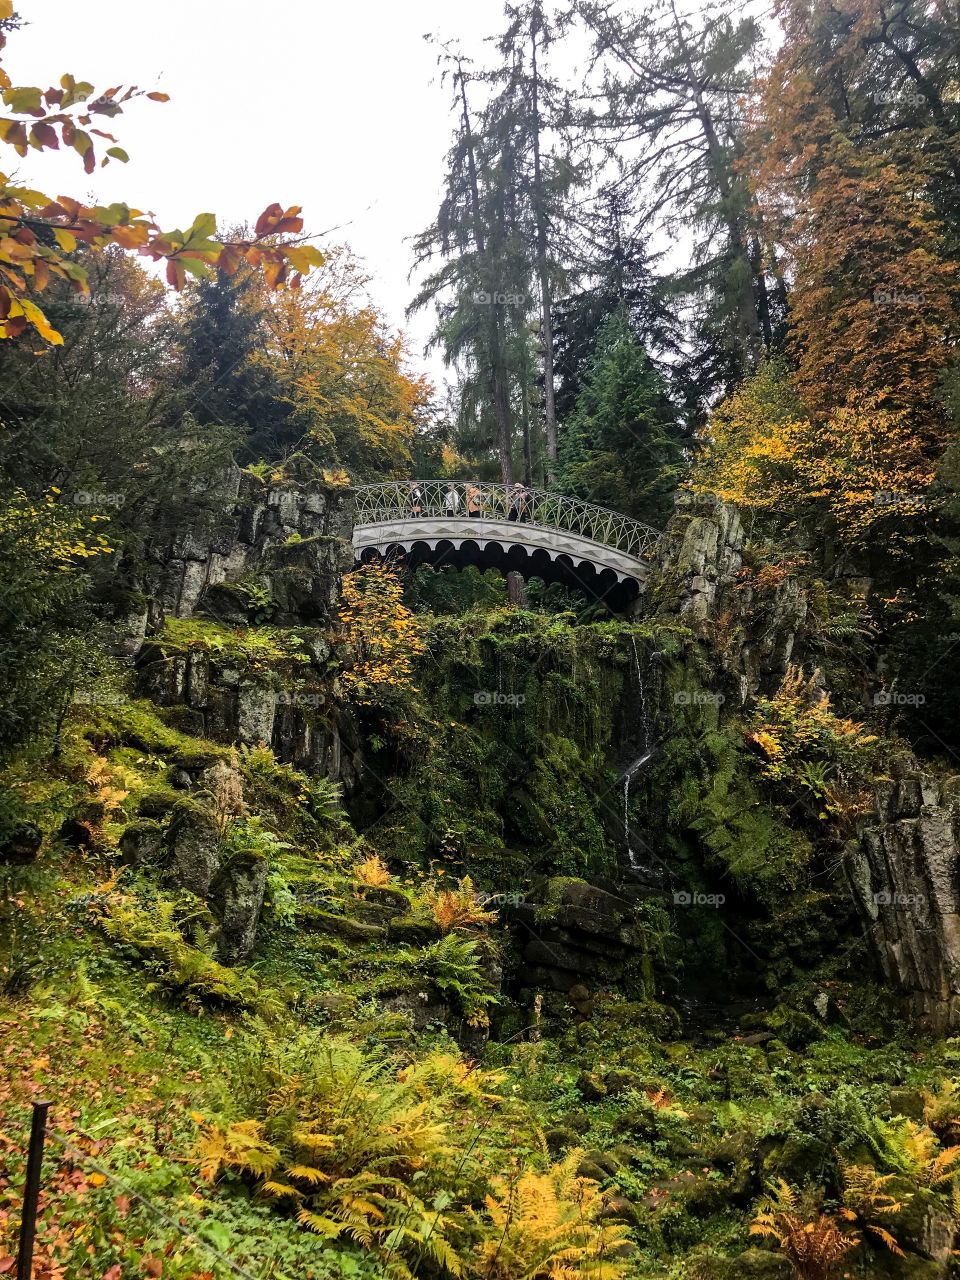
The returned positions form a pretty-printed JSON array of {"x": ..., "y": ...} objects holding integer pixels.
[{"x": 904, "y": 871}]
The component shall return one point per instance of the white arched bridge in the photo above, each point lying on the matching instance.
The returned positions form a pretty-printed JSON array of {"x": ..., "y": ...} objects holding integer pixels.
[{"x": 512, "y": 528}]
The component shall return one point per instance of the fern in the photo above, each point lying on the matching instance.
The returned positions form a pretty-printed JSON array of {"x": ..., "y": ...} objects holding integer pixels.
[
  {"x": 453, "y": 965},
  {"x": 813, "y": 1242},
  {"x": 546, "y": 1224},
  {"x": 240, "y": 1147}
]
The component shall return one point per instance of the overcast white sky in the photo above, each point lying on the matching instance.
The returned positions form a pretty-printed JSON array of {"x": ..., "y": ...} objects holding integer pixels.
[{"x": 336, "y": 107}]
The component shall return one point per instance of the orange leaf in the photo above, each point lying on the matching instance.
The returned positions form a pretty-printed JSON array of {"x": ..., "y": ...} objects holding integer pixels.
[{"x": 176, "y": 274}]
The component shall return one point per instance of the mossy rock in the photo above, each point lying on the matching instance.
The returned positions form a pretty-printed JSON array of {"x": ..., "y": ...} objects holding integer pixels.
[
  {"x": 341, "y": 926},
  {"x": 335, "y": 1004},
  {"x": 598, "y": 1165},
  {"x": 560, "y": 1138},
  {"x": 794, "y": 1027},
  {"x": 387, "y": 897},
  {"x": 704, "y": 1197},
  {"x": 413, "y": 930},
  {"x": 21, "y": 845},
  {"x": 800, "y": 1159},
  {"x": 619, "y": 1081},
  {"x": 754, "y": 1264},
  {"x": 194, "y": 839},
  {"x": 142, "y": 842},
  {"x": 906, "y": 1102},
  {"x": 618, "y": 1208},
  {"x": 372, "y": 912},
  {"x": 736, "y": 1148},
  {"x": 196, "y": 759},
  {"x": 590, "y": 1085},
  {"x": 578, "y": 1121},
  {"x": 158, "y": 802},
  {"x": 924, "y": 1223}
]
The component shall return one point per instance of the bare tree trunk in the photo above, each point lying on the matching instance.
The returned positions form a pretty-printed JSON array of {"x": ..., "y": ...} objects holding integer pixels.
[
  {"x": 496, "y": 372},
  {"x": 546, "y": 300}
]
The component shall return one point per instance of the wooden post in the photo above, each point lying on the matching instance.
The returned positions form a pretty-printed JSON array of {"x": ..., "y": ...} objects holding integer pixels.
[{"x": 31, "y": 1191}]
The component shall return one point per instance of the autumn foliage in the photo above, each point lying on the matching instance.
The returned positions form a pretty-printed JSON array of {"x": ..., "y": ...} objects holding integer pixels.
[
  {"x": 851, "y": 425},
  {"x": 39, "y": 233},
  {"x": 382, "y": 635}
]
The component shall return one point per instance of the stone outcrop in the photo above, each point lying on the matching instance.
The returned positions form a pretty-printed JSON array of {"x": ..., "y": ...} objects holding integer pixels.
[
  {"x": 187, "y": 849},
  {"x": 574, "y": 937},
  {"x": 904, "y": 870},
  {"x": 700, "y": 555},
  {"x": 752, "y": 625},
  {"x": 290, "y": 542},
  {"x": 305, "y": 723}
]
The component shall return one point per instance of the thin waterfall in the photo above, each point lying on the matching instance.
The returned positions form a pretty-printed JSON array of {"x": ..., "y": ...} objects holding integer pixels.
[{"x": 632, "y": 770}]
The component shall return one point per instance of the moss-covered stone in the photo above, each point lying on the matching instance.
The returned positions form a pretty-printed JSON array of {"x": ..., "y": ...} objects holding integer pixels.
[
  {"x": 142, "y": 842},
  {"x": 194, "y": 841},
  {"x": 348, "y": 927},
  {"x": 753, "y": 1264}
]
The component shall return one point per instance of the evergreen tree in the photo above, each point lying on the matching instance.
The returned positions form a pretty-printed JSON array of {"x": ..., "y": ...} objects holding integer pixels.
[
  {"x": 617, "y": 273},
  {"x": 622, "y": 447},
  {"x": 478, "y": 290},
  {"x": 220, "y": 332}
]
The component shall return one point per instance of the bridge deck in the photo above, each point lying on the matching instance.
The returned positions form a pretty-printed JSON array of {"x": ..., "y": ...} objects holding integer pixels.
[
  {"x": 484, "y": 533},
  {"x": 533, "y": 531}
]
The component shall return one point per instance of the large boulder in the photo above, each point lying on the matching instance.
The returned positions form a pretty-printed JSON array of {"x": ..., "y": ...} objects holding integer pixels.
[
  {"x": 575, "y": 936},
  {"x": 193, "y": 842},
  {"x": 236, "y": 900}
]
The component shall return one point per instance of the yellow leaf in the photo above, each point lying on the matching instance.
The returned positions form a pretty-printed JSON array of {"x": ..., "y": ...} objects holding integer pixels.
[
  {"x": 41, "y": 323},
  {"x": 96, "y": 1179}
]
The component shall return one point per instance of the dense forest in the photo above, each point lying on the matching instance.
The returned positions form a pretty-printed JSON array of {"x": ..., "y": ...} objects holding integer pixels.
[{"x": 506, "y": 829}]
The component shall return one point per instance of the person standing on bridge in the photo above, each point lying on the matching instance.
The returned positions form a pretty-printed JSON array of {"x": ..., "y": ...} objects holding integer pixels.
[
  {"x": 416, "y": 499},
  {"x": 451, "y": 500},
  {"x": 474, "y": 503},
  {"x": 519, "y": 502}
]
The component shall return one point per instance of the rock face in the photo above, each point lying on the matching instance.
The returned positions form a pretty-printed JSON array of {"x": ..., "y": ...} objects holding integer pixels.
[
  {"x": 304, "y": 724},
  {"x": 701, "y": 550},
  {"x": 904, "y": 870},
  {"x": 277, "y": 557},
  {"x": 291, "y": 542},
  {"x": 751, "y": 626},
  {"x": 574, "y": 937}
]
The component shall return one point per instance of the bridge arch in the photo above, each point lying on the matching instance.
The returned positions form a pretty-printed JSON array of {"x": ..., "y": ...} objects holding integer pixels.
[{"x": 533, "y": 532}]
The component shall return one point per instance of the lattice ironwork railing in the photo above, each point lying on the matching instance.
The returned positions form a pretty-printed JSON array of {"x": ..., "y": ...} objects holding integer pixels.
[{"x": 399, "y": 500}]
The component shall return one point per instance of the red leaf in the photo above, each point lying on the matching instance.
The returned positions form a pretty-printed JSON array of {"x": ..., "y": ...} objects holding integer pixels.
[
  {"x": 46, "y": 135},
  {"x": 176, "y": 274},
  {"x": 267, "y": 219}
]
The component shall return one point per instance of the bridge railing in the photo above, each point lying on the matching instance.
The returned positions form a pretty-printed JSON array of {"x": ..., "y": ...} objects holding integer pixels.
[{"x": 398, "y": 500}]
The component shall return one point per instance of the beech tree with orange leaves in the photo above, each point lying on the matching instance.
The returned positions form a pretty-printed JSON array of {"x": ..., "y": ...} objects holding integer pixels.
[
  {"x": 344, "y": 373},
  {"x": 383, "y": 637},
  {"x": 39, "y": 233},
  {"x": 854, "y": 430}
]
